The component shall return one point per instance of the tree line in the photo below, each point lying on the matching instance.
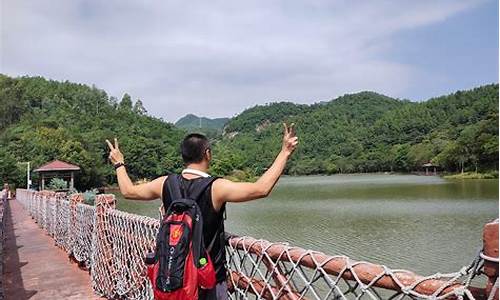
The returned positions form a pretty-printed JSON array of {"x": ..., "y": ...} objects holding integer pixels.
[
  {"x": 369, "y": 132},
  {"x": 42, "y": 120}
]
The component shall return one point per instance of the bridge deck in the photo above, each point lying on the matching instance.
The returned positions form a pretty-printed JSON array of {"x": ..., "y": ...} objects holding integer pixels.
[{"x": 33, "y": 267}]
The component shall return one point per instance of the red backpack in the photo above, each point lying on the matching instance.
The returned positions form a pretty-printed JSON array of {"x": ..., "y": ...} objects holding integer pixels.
[{"x": 181, "y": 264}]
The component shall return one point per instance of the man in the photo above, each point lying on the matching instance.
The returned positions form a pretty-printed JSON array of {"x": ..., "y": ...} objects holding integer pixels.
[{"x": 196, "y": 154}]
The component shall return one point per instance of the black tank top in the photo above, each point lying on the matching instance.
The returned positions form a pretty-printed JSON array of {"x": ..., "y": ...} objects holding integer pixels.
[{"x": 213, "y": 222}]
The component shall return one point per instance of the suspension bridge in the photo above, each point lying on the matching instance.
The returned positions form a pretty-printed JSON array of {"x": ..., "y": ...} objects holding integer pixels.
[{"x": 57, "y": 247}]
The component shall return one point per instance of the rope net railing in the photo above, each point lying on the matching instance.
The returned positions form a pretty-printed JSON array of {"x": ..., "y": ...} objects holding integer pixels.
[
  {"x": 112, "y": 244},
  {"x": 260, "y": 269},
  {"x": 4, "y": 195}
]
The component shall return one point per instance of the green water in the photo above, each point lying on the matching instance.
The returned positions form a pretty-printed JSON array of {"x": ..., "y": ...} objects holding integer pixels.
[{"x": 423, "y": 223}]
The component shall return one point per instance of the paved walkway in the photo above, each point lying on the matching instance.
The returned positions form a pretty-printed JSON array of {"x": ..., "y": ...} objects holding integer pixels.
[{"x": 34, "y": 268}]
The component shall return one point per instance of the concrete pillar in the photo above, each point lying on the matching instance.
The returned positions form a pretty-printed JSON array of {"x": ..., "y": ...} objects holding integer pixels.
[
  {"x": 490, "y": 254},
  {"x": 43, "y": 182},
  {"x": 103, "y": 270}
]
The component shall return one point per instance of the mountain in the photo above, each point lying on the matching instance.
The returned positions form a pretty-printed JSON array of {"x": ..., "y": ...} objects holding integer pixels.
[
  {"x": 369, "y": 132},
  {"x": 42, "y": 120},
  {"x": 348, "y": 107},
  {"x": 193, "y": 122}
]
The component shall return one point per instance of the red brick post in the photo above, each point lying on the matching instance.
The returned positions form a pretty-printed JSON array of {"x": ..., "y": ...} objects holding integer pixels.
[
  {"x": 490, "y": 254},
  {"x": 103, "y": 272}
]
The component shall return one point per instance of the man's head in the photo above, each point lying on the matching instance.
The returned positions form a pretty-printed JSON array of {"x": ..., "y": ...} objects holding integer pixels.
[{"x": 195, "y": 148}]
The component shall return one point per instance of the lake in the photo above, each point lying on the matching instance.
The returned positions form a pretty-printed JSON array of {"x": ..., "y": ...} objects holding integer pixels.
[{"x": 426, "y": 224}]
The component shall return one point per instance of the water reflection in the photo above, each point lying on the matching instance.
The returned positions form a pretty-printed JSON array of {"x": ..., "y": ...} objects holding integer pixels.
[{"x": 426, "y": 224}]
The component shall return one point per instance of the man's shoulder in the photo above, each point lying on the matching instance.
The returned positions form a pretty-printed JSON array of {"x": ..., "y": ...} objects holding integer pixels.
[
  {"x": 217, "y": 191},
  {"x": 220, "y": 182},
  {"x": 221, "y": 187}
]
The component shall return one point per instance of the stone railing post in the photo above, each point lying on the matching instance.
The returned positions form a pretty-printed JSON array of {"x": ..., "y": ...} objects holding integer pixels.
[
  {"x": 490, "y": 255},
  {"x": 103, "y": 271}
]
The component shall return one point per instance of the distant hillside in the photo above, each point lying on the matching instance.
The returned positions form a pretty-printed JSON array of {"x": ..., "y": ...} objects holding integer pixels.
[
  {"x": 42, "y": 120},
  {"x": 369, "y": 132},
  {"x": 210, "y": 127},
  {"x": 193, "y": 122}
]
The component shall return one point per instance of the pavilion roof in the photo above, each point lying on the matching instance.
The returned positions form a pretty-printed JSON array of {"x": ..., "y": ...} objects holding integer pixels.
[{"x": 57, "y": 165}]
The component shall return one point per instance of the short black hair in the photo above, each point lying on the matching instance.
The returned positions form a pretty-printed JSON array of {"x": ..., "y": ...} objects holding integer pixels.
[{"x": 193, "y": 148}]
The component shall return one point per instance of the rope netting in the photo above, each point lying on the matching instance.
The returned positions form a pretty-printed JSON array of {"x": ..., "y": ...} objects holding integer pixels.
[
  {"x": 62, "y": 236},
  {"x": 113, "y": 244},
  {"x": 82, "y": 234},
  {"x": 3, "y": 202},
  {"x": 133, "y": 237},
  {"x": 260, "y": 269}
]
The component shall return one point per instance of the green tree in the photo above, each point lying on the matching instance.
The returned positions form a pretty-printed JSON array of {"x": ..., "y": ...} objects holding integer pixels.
[
  {"x": 126, "y": 103},
  {"x": 139, "y": 108},
  {"x": 56, "y": 184},
  {"x": 9, "y": 171},
  {"x": 42, "y": 120}
]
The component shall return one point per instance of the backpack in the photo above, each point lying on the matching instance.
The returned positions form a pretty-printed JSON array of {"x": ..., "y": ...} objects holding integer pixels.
[{"x": 181, "y": 264}]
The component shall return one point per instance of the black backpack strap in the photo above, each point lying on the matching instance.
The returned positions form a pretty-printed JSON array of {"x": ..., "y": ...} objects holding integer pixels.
[
  {"x": 174, "y": 187},
  {"x": 219, "y": 231},
  {"x": 201, "y": 186},
  {"x": 197, "y": 235},
  {"x": 176, "y": 190},
  {"x": 199, "y": 246},
  {"x": 212, "y": 242},
  {"x": 199, "y": 249}
]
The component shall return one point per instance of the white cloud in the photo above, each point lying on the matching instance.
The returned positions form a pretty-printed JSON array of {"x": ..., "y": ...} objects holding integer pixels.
[{"x": 216, "y": 57}]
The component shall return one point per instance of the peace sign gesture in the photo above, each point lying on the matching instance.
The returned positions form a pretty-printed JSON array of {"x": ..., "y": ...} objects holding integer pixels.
[
  {"x": 290, "y": 139},
  {"x": 114, "y": 152}
]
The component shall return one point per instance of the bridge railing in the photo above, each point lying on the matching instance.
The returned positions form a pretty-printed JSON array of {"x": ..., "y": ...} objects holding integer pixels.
[
  {"x": 3, "y": 199},
  {"x": 112, "y": 245}
]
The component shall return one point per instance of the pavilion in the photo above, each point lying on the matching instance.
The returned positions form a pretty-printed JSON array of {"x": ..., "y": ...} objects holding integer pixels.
[
  {"x": 429, "y": 165},
  {"x": 58, "y": 169}
]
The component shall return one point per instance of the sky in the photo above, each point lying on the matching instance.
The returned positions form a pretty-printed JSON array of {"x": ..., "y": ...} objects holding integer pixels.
[{"x": 217, "y": 58}]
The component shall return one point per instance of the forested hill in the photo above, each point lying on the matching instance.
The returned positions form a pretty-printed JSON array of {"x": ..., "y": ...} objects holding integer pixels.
[
  {"x": 368, "y": 132},
  {"x": 193, "y": 122},
  {"x": 368, "y": 104},
  {"x": 42, "y": 120}
]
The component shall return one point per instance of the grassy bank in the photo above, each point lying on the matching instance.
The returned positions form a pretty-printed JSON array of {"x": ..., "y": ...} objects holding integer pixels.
[{"x": 473, "y": 175}]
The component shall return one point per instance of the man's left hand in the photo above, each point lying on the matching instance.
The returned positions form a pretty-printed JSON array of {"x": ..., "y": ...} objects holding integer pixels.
[{"x": 114, "y": 153}]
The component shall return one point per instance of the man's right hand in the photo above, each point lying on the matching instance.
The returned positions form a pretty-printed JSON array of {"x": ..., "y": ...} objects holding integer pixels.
[
  {"x": 290, "y": 139},
  {"x": 225, "y": 190}
]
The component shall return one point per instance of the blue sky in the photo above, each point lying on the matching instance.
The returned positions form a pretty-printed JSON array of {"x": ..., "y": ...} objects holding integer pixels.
[
  {"x": 217, "y": 58},
  {"x": 462, "y": 51}
]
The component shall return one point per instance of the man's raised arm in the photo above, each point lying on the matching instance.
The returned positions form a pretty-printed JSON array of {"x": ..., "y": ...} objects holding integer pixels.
[
  {"x": 227, "y": 191},
  {"x": 146, "y": 191}
]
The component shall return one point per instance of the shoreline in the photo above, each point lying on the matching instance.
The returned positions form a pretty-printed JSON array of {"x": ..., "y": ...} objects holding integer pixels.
[
  {"x": 472, "y": 175},
  {"x": 445, "y": 175}
]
